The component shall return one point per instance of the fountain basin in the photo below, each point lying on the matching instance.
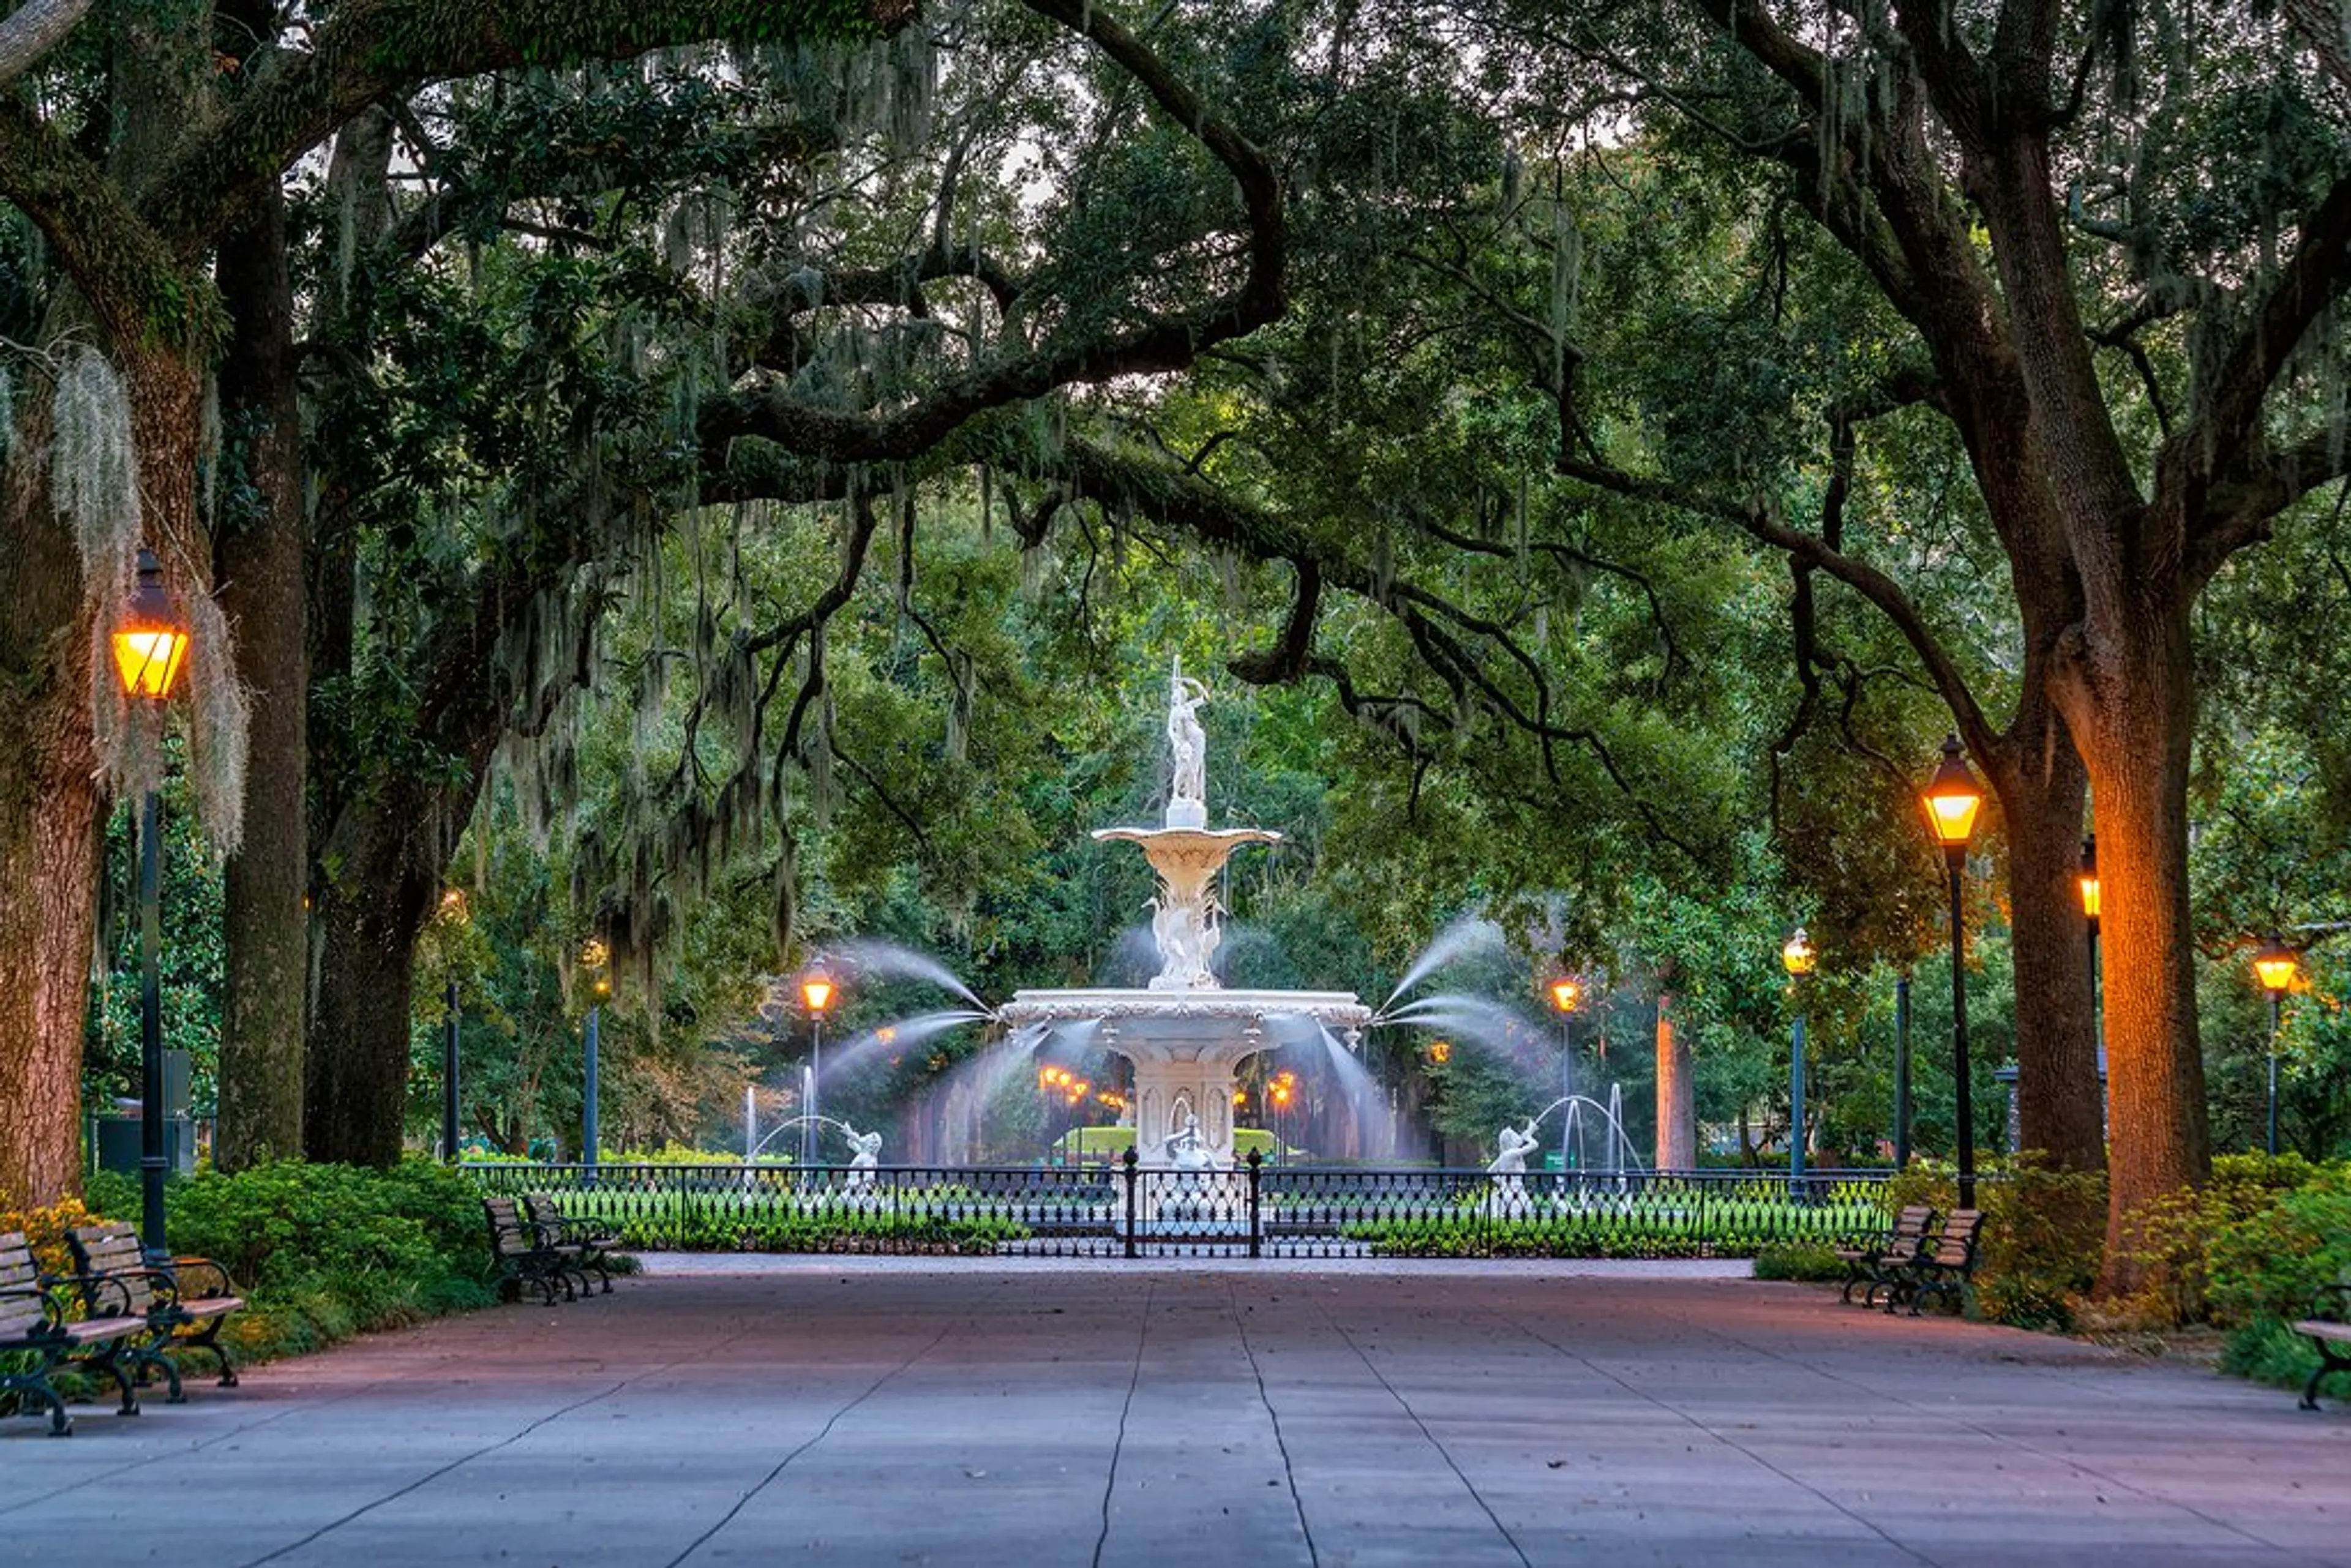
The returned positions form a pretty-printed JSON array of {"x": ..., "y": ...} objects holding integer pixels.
[{"x": 1183, "y": 1046}]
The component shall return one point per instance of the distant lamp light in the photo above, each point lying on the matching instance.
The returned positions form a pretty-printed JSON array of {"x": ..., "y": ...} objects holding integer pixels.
[
  {"x": 2277, "y": 966},
  {"x": 2088, "y": 879},
  {"x": 1953, "y": 799},
  {"x": 1797, "y": 955},
  {"x": 1440, "y": 1050},
  {"x": 1566, "y": 994},
  {"x": 815, "y": 991},
  {"x": 152, "y": 643}
]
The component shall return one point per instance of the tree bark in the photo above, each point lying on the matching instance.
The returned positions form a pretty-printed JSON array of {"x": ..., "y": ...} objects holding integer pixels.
[
  {"x": 258, "y": 561},
  {"x": 48, "y": 838},
  {"x": 355, "y": 1082},
  {"x": 2042, "y": 783},
  {"x": 1677, "y": 1120},
  {"x": 2137, "y": 709}
]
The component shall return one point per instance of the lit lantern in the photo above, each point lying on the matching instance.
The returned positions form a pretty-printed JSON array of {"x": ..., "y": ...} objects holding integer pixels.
[
  {"x": 1566, "y": 994},
  {"x": 815, "y": 991},
  {"x": 2277, "y": 966},
  {"x": 1953, "y": 799},
  {"x": 152, "y": 643},
  {"x": 1797, "y": 955},
  {"x": 2088, "y": 879}
]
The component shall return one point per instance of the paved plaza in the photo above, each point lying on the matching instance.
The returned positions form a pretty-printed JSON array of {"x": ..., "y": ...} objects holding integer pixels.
[{"x": 887, "y": 1411}]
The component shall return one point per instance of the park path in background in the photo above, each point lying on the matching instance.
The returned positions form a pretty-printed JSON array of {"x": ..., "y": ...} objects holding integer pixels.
[{"x": 1063, "y": 1414}]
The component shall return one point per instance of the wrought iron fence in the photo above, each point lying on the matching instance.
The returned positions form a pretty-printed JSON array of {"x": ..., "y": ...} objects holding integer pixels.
[{"x": 1253, "y": 1210}]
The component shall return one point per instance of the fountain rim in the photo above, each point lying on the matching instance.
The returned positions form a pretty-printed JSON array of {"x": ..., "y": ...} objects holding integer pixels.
[
  {"x": 1111, "y": 1003},
  {"x": 1149, "y": 836}
]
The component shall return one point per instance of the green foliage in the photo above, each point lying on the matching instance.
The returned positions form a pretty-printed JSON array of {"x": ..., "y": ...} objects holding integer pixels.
[
  {"x": 2043, "y": 1238},
  {"x": 321, "y": 1251},
  {"x": 1808, "y": 1262}
]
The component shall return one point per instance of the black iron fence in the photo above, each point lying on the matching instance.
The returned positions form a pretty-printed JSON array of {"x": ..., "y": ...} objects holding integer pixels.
[{"x": 1254, "y": 1209}]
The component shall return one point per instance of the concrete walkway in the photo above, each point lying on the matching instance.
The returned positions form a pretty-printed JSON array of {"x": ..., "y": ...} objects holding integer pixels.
[{"x": 894, "y": 1411}]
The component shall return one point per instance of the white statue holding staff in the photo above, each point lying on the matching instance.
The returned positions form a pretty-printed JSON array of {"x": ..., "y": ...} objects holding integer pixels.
[{"x": 1186, "y": 737}]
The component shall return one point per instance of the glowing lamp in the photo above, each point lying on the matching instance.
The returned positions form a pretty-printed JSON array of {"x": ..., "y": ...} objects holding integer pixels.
[
  {"x": 1797, "y": 955},
  {"x": 2088, "y": 879},
  {"x": 2277, "y": 966},
  {"x": 1440, "y": 1050},
  {"x": 1565, "y": 994},
  {"x": 1953, "y": 797},
  {"x": 815, "y": 991},
  {"x": 152, "y": 643}
]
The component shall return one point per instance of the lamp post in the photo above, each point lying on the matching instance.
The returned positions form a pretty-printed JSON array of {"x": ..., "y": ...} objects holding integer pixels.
[
  {"x": 2276, "y": 965},
  {"x": 1566, "y": 996},
  {"x": 816, "y": 995},
  {"x": 1797, "y": 956},
  {"x": 2087, "y": 880},
  {"x": 597, "y": 957},
  {"x": 1902, "y": 1071},
  {"x": 1282, "y": 1090},
  {"x": 452, "y": 908},
  {"x": 150, "y": 644},
  {"x": 1953, "y": 797}
]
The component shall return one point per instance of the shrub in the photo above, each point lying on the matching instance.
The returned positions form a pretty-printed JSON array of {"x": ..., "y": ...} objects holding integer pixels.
[
  {"x": 1808, "y": 1262},
  {"x": 321, "y": 1252},
  {"x": 46, "y": 1229},
  {"x": 2043, "y": 1236}
]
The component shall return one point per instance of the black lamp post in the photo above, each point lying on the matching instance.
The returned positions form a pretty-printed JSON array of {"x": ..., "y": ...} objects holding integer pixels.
[
  {"x": 1902, "y": 1071},
  {"x": 816, "y": 992},
  {"x": 597, "y": 957},
  {"x": 1566, "y": 996},
  {"x": 2276, "y": 965},
  {"x": 452, "y": 908},
  {"x": 1953, "y": 797},
  {"x": 1798, "y": 958},
  {"x": 150, "y": 644}
]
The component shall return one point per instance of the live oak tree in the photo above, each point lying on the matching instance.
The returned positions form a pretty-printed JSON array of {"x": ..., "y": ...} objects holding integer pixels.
[
  {"x": 735, "y": 290},
  {"x": 2142, "y": 382},
  {"x": 151, "y": 150}
]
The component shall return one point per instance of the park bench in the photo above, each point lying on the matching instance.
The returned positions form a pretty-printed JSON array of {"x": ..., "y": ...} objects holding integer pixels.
[
  {"x": 2329, "y": 1334},
  {"x": 1878, "y": 1263},
  {"x": 33, "y": 1326},
  {"x": 1945, "y": 1266},
  {"x": 523, "y": 1258},
  {"x": 583, "y": 1249},
  {"x": 184, "y": 1305}
]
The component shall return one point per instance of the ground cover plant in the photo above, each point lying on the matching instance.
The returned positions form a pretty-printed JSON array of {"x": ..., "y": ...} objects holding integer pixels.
[{"x": 322, "y": 1252}]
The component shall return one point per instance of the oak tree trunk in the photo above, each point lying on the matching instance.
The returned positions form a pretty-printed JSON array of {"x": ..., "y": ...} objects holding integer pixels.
[
  {"x": 2061, "y": 1106},
  {"x": 2138, "y": 731},
  {"x": 355, "y": 1082},
  {"x": 258, "y": 561}
]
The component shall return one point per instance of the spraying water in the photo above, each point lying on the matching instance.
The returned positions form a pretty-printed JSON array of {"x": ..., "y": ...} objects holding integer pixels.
[
  {"x": 902, "y": 1034},
  {"x": 878, "y": 958},
  {"x": 1465, "y": 936}
]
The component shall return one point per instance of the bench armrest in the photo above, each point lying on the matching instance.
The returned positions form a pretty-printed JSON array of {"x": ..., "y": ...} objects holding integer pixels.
[{"x": 195, "y": 1278}]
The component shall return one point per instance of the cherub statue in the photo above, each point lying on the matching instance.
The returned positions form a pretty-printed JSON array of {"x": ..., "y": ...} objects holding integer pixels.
[
  {"x": 1515, "y": 1145},
  {"x": 865, "y": 1154}
]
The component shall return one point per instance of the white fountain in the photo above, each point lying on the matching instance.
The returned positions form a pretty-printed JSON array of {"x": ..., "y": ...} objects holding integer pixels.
[{"x": 1184, "y": 1033}]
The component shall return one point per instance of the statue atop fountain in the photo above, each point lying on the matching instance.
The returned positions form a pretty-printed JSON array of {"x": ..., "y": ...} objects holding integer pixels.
[{"x": 1187, "y": 797}]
